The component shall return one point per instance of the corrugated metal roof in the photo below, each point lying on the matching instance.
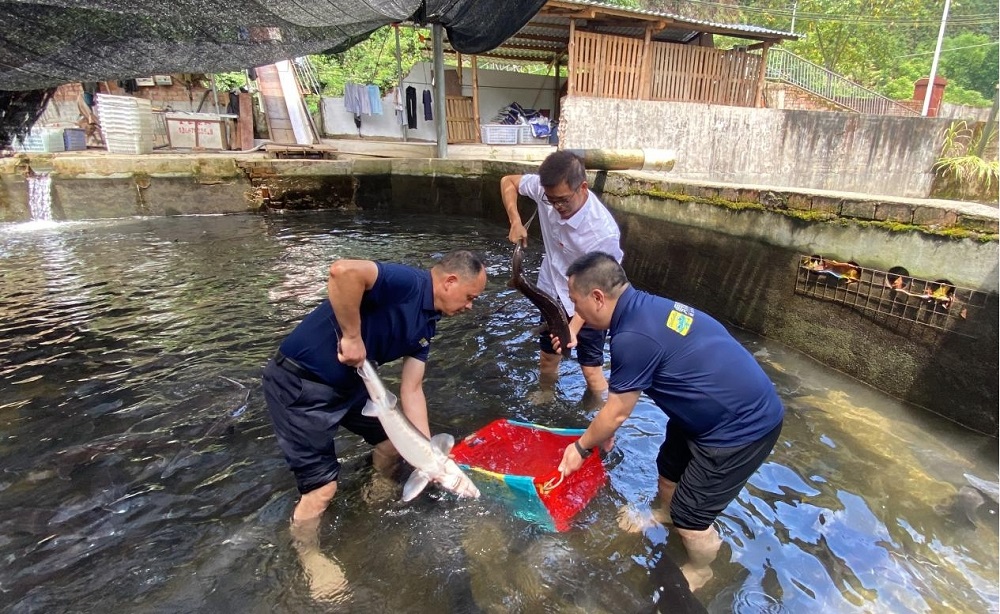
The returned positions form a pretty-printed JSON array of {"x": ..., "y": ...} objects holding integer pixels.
[
  {"x": 547, "y": 34},
  {"x": 680, "y": 18}
]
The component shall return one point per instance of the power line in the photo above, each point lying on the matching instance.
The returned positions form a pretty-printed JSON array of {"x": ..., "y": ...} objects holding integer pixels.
[
  {"x": 910, "y": 55},
  {"x": 963, "y": 20}
]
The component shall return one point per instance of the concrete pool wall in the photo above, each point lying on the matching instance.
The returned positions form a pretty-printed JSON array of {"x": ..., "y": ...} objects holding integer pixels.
[{"x": 733, "y": 251}]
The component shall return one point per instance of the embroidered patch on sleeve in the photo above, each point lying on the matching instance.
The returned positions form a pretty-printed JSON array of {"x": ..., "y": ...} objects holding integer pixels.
[{"x": 679, "y": 322}]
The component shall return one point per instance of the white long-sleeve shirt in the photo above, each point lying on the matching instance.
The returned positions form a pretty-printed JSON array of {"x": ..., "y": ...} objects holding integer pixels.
[{"x": 591, "y": 229}]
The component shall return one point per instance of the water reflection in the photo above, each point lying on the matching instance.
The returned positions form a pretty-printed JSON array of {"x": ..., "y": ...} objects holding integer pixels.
[{"x": 139, "y": 467}]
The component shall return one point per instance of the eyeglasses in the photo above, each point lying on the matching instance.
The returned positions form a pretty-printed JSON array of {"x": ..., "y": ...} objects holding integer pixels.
[{"x": 562, "y": 201}]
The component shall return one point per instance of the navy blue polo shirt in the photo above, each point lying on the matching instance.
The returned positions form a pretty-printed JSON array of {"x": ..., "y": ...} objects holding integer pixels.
[
  {"x": 692, "y": 368},
  {"x": 397, "y": 319}
]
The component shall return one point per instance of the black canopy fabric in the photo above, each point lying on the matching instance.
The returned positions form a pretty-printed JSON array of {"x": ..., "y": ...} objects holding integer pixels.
[{"x": 45, "y": 43}]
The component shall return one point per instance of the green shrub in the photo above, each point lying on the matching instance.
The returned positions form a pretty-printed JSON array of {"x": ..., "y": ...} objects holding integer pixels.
[{"x": 963, "y": 172}]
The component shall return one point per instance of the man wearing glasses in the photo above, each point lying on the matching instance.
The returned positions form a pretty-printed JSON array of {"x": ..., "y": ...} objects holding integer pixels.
[{"x": 574, "y": 222}]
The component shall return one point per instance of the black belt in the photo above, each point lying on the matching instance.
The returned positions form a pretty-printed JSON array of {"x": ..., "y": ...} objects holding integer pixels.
[{"x": 295, "y": 368}]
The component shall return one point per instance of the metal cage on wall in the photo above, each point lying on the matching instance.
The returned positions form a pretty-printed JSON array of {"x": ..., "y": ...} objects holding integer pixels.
[{"x": 892, "y": 298}]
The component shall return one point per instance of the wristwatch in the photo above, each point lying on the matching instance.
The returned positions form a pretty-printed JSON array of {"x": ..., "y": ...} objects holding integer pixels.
[{"x": 583, "y": 452}]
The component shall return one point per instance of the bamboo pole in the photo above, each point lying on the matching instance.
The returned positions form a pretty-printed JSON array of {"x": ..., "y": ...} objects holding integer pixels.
[
  {"x": 475, "y": 97},
  {"x": 570, "y": 90}
]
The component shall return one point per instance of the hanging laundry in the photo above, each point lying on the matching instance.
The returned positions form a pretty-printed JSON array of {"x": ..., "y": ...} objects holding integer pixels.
[
  {"x": 411, "y": 107},
  {"x": 375, "y": 99},
  {"x": 366, "y": 102},
  {"x": 397, "y": 99},
  {"x": 353, "y": 96},
  {"x": 428, "y": 109}
]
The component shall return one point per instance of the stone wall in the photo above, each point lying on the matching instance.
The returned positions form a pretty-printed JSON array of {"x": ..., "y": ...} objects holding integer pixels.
[{"x": 879, "y": 155}]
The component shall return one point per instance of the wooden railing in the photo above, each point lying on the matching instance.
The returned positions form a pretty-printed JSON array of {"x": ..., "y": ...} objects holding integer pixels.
[{"x": 627, "y": 68}]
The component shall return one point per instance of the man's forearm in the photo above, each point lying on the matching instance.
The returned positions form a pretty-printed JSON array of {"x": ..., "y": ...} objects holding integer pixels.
[
  {"x": 614, "y": 413},
  {"x": 509, "y": 194},
  {"x": 415, "y": 410},
  {"x": 602, "y": 428}
]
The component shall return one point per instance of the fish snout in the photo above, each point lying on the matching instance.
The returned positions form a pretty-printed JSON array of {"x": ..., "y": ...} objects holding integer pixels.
[{"x": 457, "y": 482}]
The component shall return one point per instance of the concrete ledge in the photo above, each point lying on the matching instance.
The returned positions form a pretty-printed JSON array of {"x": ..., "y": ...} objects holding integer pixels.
[{"x": 930, "y": 215}]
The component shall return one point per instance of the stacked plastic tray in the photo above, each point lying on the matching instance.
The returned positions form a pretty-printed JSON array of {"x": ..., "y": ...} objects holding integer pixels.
[
  {"x": 126, "y": 123},
  {"x": 41, "y": 140}
]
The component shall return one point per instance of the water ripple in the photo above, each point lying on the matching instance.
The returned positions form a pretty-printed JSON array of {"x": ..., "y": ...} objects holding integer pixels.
[{"x": 139, "y": 466}]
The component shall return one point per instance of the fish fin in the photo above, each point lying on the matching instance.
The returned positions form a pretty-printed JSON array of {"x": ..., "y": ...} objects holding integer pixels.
[
  {"x": 443, "y": 442},
  {"x": 415, "y": 485},
  {"x": 371, "y": 409}
]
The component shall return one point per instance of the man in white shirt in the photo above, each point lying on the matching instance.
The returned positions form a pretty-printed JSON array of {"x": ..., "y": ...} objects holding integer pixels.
[{"x": 574, "y": 222}]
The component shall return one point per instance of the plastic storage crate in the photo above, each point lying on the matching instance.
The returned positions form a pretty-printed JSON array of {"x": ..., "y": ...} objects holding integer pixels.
[
  {"x": 75, "y": 139},
  {"x": 499, "y": 134},
  {"x": 41, "y": 140},
  {"x": 526, "y": 137}
]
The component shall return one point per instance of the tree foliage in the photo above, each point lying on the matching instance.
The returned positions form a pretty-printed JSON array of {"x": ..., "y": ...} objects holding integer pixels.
[
  {"x": 885, "y": 45},
  {"x": 372, "y": 61}
]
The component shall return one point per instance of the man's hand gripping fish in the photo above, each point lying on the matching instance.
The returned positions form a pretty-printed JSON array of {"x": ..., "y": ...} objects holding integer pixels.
[{"x": 429, "y": 457}]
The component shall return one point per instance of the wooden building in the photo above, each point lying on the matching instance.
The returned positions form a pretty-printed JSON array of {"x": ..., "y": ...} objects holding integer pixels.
[{"x": 613, "y": 52}]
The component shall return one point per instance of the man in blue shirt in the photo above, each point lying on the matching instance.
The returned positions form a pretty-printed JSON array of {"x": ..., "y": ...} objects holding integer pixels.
[
  {"x": 374, "y": 311},
  {"x": 724, "y": 414}
]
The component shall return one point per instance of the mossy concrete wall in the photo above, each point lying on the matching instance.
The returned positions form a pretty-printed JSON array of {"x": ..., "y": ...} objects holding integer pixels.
[
  {"x": 750, "y": 282},
  {"x": 729, "y": 250}
]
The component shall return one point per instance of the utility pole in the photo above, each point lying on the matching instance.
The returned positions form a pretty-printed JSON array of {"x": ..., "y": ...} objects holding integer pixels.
[
  {"x": 934, "y": 64},
  {"x": 399, "y": 75},
  {"x": 795, "y": 6},
  {"x": 440, "y": 123}
]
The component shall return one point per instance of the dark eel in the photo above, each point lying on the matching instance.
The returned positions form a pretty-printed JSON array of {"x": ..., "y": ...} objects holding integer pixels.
[{"x": 552, "y": 310}]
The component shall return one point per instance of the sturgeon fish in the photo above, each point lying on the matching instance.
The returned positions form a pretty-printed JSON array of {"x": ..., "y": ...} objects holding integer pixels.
[
  {"x": 429, "y": 457},
  {"x": 554, "y": 314}
]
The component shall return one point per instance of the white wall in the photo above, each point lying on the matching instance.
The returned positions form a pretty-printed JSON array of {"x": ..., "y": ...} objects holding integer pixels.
[{"x": 497, "y": 89}]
